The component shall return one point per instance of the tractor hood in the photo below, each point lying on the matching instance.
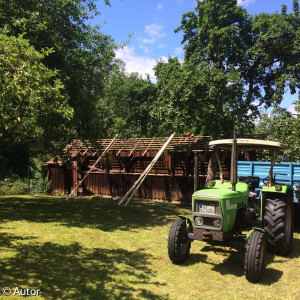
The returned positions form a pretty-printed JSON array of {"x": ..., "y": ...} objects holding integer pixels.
[
  {"x": 216, "y": 190},
  {"x": 229, "y": 201}
]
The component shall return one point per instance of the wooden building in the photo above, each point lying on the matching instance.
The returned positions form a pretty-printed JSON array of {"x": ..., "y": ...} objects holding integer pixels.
[{"x": 171, "y": 179}]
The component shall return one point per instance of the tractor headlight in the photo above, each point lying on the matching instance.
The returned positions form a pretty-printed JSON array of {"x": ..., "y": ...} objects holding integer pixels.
[
  {"x": 217, "y": 223},
  {"x": 199, "y": 221}
]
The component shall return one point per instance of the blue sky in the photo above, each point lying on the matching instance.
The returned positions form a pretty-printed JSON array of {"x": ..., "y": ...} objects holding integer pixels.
[{"x": 152, "y": 24}]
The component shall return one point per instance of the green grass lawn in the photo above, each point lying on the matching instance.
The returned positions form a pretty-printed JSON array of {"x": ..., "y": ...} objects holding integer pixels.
[{"x": 94, "y": 249}]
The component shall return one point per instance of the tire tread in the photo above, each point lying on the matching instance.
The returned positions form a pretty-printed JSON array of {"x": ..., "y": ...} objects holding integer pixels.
[
  {"x": 174, "y": 242},
  {"x": 253, "y": 270},
  {"x": 274, "y": 225}
]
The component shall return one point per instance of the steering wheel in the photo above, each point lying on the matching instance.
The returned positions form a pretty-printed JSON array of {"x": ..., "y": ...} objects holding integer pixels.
[
  {"x": 266, "y": 179},
  {"x": 278, "y": 174}
]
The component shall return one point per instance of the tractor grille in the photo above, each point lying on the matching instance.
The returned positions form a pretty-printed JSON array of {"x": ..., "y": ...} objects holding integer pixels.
[
  {"x": 214, "y": 203},
  {"x": 208, "y": 210}
]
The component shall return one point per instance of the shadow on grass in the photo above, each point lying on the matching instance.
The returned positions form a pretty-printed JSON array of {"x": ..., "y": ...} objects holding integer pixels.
[
  {"x": 74, "y": 272},
  {"x": 96, "y": 212},
  {"x": 8, "y": 240},
  {"x": 296, "y": 249},
  {"x": 297, "y": 222},
  {"x": 234, "y": 262}
]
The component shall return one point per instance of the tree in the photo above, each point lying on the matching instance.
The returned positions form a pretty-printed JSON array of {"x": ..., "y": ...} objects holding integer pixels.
[
  {"x": 264, "y": 48},
  {"x": 33, "y": 104},
  {"x": 201, "y": 99},
  {"x": 80, "y": 52},
  {"x": 282, "y": 126},
  {"x": 56, "y": 70},
  {"x": 126, "y": 104}
]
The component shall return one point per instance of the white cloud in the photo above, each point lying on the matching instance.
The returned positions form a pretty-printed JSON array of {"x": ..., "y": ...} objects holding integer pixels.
[
  {"x": 245, "y": 3},
  {"x": 149, "y": 41},
  {"x": 137, "y": 63},
  {"x": 292, "y": 110},
  {"x": 178, "y": 51},
  {"x": 145, "y": 49},
  {"x": 154, "y": 31},
  {"x": 159, "y": 6}
]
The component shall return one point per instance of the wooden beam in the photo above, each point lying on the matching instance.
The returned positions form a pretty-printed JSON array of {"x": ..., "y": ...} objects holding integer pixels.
[
  {"x": 143, "y": 176},
  {"x": 104, "y": 152},
  {"x": 126, "y": 141},
  {"x": 148, "y": 147},
  {"x": 134, "y": 147},
  {"x": 196, "y": 172}
]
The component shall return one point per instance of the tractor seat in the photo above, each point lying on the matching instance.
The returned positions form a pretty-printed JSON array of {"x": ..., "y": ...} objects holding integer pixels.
[{"x": 253, "y": 182}]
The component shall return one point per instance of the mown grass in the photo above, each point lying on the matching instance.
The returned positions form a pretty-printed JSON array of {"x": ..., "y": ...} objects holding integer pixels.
[{"x": 94, "y": 249}]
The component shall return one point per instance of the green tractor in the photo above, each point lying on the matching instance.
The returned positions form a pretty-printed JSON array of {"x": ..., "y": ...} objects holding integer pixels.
[{"x": 225, "y": 210}]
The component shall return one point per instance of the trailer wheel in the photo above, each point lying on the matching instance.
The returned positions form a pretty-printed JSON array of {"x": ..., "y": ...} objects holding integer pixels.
[
  {"x": 279, "y": 225},
  {"x": 178, "y": 242},
  {"x": 255, "y": 256}
]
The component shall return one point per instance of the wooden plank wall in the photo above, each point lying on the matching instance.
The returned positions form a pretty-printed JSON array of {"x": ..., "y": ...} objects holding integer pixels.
[
  {"x": 176, "y": 188},
  {"x": 171, "y": 178},
  {"x": 57, "y": 177}
]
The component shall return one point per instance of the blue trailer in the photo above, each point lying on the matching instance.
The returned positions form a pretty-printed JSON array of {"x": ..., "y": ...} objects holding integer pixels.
[{"x": 285, "y": 173}]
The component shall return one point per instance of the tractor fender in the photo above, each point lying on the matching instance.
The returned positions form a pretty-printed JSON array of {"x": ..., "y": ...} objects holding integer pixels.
[{"x": 286, "y": 190}]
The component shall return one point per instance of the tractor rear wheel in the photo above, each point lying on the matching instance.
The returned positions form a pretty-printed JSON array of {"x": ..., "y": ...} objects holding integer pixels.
[
  {"x": 255, "y": 256},
  {"x": 279, "y": 225},
  {"x": 178, "y": 242}
]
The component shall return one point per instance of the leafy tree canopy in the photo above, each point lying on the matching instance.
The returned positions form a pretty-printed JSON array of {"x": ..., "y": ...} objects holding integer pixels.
[
  {"x": 80, "y": 52},
  {"x": 33, "y": 105},
  {"x": 127, "y": 103},
  {"x": 263, "y": 49},
  {"x": 282, "y": 126},
  {"x": 53, "y": 66},
  {"x": 200, "y": 98}
]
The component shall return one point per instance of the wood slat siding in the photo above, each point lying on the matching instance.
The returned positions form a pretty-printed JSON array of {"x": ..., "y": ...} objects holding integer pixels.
[
  {"x": 171, "y": 178},
  {"x": 57, "y": 177}
]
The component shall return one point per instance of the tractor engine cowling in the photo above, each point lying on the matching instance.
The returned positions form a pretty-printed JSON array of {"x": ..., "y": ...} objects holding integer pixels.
[{"x": 215, "y": 210}]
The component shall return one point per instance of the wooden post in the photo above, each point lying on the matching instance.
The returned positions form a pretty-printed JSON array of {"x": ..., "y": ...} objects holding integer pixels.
[
  {"x": 212, "y": 167},
  {"x": 108, "y": 166},
  {"x": 220, "y": 165},
  {"x": 79, "y": 178},
  {"x": 196, "y": 172},
  {"x": 74, "y": 173}
]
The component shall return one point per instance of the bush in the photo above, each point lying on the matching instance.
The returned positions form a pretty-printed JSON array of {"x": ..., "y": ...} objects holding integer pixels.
[
  {"x": 40, "y": 184},
  {"x": 18, "y": 185},
  {"x": 13, "y": 186}
]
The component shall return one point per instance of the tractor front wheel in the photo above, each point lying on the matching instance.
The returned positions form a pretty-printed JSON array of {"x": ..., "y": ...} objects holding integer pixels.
[
  {"x": 255, "y": 256},
  {"x": 178, "y": 243}
]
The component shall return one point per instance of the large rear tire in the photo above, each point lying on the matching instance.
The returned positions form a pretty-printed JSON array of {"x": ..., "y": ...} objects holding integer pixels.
[
  {"x": 279, "y": 225},
  {"x": 255, "y": 256},
  {"x": 179, "y": 244}
]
